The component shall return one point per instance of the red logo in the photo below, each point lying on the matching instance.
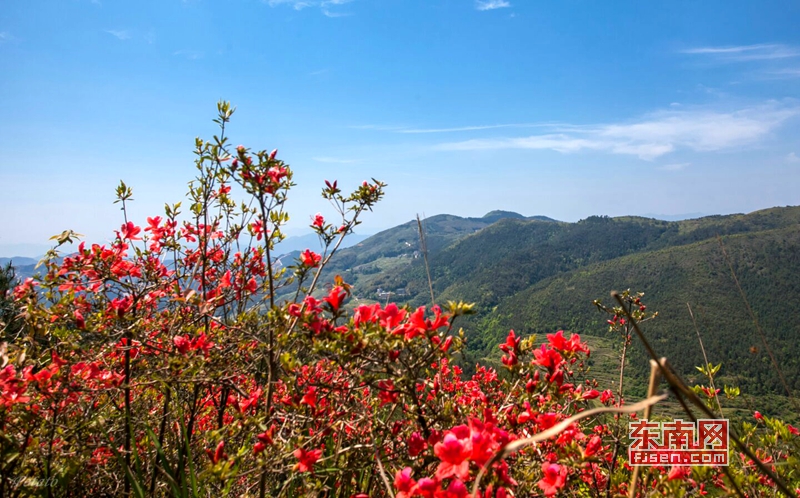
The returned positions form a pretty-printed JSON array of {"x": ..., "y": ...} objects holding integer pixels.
[{"x": 678, "y": 443}]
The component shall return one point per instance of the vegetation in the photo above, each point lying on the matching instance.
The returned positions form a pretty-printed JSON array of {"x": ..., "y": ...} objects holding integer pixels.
[
  {"x": 528, "y": 275},
  {"x": 168, "y": 364},
  {"x": 9, "y": 321}
]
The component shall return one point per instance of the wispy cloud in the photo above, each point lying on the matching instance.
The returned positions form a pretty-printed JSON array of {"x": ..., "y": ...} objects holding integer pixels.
[
  {"x": 745, "y": 53},
  {"x": 120, "y": 34},
  {"x": 787, "y": 72},
  {"x": 472, "y": 128},
  {"x": 5, "y": 36},
  {"x": 469, "y": 128},
  {"x": 408, "y": 130},
  {"x": 674, "y": 166},
  {"x": 792, "y": 158},
  {"x": 654, "y": 135},
  {"x": 491, "y": 4},
  {"x": 333, "y": 160},
  {"x": 329, "y": 13},
  {"x": 327, "y": 7},
  {"x": 192, "y": 55},
  {"x": 296, "y": 4}
]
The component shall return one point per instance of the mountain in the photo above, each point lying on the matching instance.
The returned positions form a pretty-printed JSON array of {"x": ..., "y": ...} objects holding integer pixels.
[
  {"x": 538, "y": 275},
  {"x": 674, "y": 217},
  {"x": 311, "y": 241},
  {"x": 18, "y": 261},
  {"x": 541, "y": 276},
  {"x": 384, "y": 260},
  {"x": 766, "y": 264}
]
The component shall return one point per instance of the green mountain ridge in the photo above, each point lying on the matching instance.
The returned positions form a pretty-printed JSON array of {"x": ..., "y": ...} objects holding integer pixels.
[
  {"x": 540, "y": 276},
  {"x": 767, "y": 264}
]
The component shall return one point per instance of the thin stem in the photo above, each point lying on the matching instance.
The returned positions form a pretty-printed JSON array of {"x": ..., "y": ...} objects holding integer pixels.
[
  {"x": 705, "y": 359},
  {"x": 679, "y": 386},
  {"x": 758, "y": 327}
]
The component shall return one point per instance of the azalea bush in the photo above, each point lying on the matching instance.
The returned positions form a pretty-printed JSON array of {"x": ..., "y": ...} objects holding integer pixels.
[{"x": 185, "y": 359}]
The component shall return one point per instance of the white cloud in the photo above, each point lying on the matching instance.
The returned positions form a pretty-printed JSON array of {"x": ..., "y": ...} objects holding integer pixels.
[
  {"x": 296, "y": 4},
  {"x": 329, "y": 13},
  {"x": 324, "y": 5},
  {"x": 789, "y": 72},
  {"x": 465, "y": 128},
  {"x": 792, "y": 158},
  {"x": 674, "y": 166},
  {"x": 744, "y": 53},
  {"x": 192, "y": 55},
  {"x": 120, "y": 34},
  {"x": 653, "y": 135},
  {"x": 491, "y": 4},
  {"x": 414, "y": 131},
  {"x": 6, "y": 36}
]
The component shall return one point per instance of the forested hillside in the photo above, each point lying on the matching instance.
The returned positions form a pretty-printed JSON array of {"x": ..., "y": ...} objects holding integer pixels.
[{"x": 541, "y": 276}]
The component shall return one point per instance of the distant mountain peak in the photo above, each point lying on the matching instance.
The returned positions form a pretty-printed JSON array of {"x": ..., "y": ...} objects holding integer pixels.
[{"x": 500, "y": 214}]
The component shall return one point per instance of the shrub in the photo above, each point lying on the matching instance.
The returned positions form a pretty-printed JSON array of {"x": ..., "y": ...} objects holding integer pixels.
[{"x": 183, "y": 359}]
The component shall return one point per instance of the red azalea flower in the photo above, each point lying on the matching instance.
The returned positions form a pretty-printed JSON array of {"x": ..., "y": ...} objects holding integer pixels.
[
  {"x": 310, "y": 258},
  {"x": 555, "y": 476},
  {"x": 130, "y": 231},
  {"x": 391, "y": 317},
  {"x": 335, "y": 298},
  {"x": 456, "y": 489},
  {"x": 454, "y": 451},
  {"x": 416, "y": 444},
  {"x": 594, "y": 445},
  {"x": 678, "y": 472},
  {"x": 386, "y": 392},
  {"x": 547, "y": 358},
  {"x": 218, "y": 454},
  {"x": 426, "y": 488},
  {"x": 310, "y": 398},
  {"x": 404, "y": 483},
  {"x": 306, "y": 459},
  {"x": 80, "y": 322},
  {"x": 366, "y": 314},
  {"x": 592, "y": 394},
  {"x": 182, "y": 343},
  {"x": 264, "y": 440}
]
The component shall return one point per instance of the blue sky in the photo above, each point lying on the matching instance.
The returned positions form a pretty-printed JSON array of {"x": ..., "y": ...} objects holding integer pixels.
[{"x": 562, "y": 108}]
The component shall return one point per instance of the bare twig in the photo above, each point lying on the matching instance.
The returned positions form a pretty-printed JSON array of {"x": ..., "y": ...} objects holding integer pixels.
[
  {"x": 705, "y": 359},
  {"x": 680, "y": 387},
  {"x": 652, "y": 387},
  {"x": 384, "y": 478},
  {"x": 424, "y": 247}
]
